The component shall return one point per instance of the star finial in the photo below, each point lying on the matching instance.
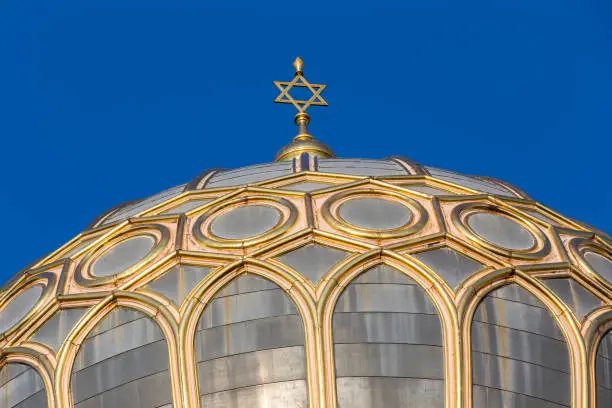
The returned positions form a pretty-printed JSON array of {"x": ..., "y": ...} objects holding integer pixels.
[
  {"x": 303, "y": 145},
  {"x": 300, "y": 82}
]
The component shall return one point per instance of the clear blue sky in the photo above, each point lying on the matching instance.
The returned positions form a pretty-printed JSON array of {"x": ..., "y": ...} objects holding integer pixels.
[{"x": 106, "y": 101}]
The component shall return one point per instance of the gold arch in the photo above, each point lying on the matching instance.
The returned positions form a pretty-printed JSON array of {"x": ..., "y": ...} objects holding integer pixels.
[
  {"x": 33, "y": 359},
  {"x": 595, "y": 326},
  {"x": 153, "y": 309},
  {"x": 485, "y": 282},
  {"x": 295, "y": 289},
  {"x": 438, "y": 292}
]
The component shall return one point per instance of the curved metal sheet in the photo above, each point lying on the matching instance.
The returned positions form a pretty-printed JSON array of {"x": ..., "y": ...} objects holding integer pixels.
[
  {"x": 250, "y": 174},
  {"x": 176, "y": 284},
  {"x": 603, "y": 372},
  {"x": 374, "y": 213},
  {"x": 387, "y": 343},
  {"x": 121, "y": 363},
  {"x": 369, "y": 392},
  {"x": 519, "y": 355},
  {"x": 245, "y": 222},
  {"x": 467, "y": 181},
  {"x": 574, "y": 295},
  {"x": 122, "y": 256},
  {"x": 21, "y": 387},
  {"x": 361, "y": 167},
  {"x": 54, "y": 331},
  {"x": 141, "y": 205},
  {"x": 501, "y": 231},
  {"x": 449, "y": 264},
  {"x": 19, "y": 306},
  {"x": 250, "y": 347},
  {"x": 286, "y": 394},
  {"x": 313, "y": 261}
]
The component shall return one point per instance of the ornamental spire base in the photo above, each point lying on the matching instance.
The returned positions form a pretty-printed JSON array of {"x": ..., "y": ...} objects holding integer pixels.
[{"x": 304, "y": 142}]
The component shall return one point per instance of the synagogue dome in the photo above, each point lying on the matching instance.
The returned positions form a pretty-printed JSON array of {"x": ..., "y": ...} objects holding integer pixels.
[{"x": 316, "y": 281}]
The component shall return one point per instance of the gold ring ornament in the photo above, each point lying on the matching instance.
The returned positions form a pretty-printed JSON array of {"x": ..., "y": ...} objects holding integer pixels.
[
  {"x": 500, "y": 231},
  {"x": 122, "y": 255},
  {"x": 245, "y": 221},
  {"x": 374, "y": 214}
]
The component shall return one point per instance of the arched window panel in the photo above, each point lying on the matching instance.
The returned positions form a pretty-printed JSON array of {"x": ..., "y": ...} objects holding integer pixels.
[
  {"x": 250, "y": 348},
  {"x": 54, "y": 331},
  {"x": 123, "y": 362},
  {"x": 603, "y": 372},
  {"x": 21, "y": 387},
  {"x": 519, "y": 355},
  {"x": 387, "y": 343}
]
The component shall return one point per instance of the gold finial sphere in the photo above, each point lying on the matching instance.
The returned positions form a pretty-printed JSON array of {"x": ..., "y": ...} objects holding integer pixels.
[{"x": 298, "y": 64}]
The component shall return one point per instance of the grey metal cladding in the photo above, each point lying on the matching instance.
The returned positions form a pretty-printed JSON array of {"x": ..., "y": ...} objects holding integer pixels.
[
  {"x": 519, "y": 355},
  {"x": 145, "y": 204},
  {"x": 387, "y": 343},
  {"x": 125, "y": 337},
  {"x": 286, "y": 394},
  {"x": 122, "y": 256},
  {"x": 246, "y": 306},
  {"x": 521, "y": 378},
  {"x": 176, "y": 284},
  {"x": 188, "y": 205},
  {"x": 250, "y": 347},
  {"x": 124, "y": 362},
  {"x": 306, "y": 186},
  {"x": 384, "y": 297},
  {"x": 510, "y": 343},
  {"x": 469, "y": 182},
  {"x": 120, "y": 369},
  {"x": 249, "y": 369},
  {"x": 492, "y": 397},
  {"x": 250, "y": 174},
  {"x": 369, "y": 392},
  {"x": 245, "y": 284},
  {"x": 574, "y": 295},
  {"x": 54, "y": 331},
  {"x": 244, "y": 337},
  {"x": 603, "y": 371},
  {"x": 517, "y": 315},
  {"x": 313, "y": 261},
  {"x": 147, "y": 392},
  {"x": 449, "y": 264},
  {"x": 362, "y": 167},
  {"x": 501, "y": 231},
  {"x": 18, "y": 307},
  {"x": 410, "y": 328},
  {"x": 426, "y": 189},
  {"x": 374, "y": 213},
  {"x": 115, "y": 318},
  {"x": 389, "y": 360},
  {"x": 21, "y": 387},
  {"x": 383, "y": 274},
  {"x": 601, "y": 264},
  {"x": 245, "y": 222}
]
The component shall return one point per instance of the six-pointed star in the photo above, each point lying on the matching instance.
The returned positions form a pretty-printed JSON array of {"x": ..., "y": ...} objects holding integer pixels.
[{"x": 300, "y": 105}]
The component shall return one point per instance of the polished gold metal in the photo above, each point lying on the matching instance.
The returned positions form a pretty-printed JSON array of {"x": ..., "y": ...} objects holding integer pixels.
[
  {"x": 315, "y": 304},
  {"x": 303, "y": 142}
]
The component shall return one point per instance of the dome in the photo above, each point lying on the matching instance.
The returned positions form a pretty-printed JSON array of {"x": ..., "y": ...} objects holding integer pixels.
[{"x": 316, "y": 281}]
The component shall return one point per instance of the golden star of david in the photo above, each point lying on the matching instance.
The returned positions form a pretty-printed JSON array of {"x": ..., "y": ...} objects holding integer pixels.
[{"x": 299, "y": 81}]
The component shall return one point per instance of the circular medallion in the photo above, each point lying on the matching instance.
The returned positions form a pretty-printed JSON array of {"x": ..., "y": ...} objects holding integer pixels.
[
  {"x": 600, "y": 264},
  {"x": 122, "y": 256},
  {"x": 374, "y": 214},
  {"x": 245, "y": 221},
  {"x": 500, "y": 231},
  {"x": 19, "y": 307}
]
